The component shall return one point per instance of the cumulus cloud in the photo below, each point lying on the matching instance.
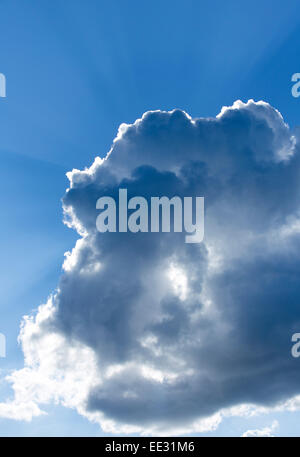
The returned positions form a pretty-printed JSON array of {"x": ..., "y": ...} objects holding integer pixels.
[
  {"x": 264, "y": 432},
  {"x": 148, "y": 334}
]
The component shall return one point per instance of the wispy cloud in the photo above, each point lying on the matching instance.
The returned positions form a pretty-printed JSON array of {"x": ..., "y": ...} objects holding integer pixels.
[{"x": 263, "y": 432}]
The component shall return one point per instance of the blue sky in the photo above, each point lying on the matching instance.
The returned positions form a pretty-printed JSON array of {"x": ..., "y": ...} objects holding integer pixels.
[{"x": 75, "y": 71}]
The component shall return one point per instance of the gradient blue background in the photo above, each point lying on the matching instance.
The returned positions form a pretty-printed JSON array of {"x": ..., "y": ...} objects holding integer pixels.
[{"x": 75, "y": 70}]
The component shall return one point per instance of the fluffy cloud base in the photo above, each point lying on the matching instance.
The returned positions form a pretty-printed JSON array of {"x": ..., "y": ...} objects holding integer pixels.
[{"x": 151, "y": 335}]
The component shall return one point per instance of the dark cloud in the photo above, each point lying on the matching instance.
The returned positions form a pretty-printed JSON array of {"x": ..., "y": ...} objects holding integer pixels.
[{"x": 180, "y": 331}]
